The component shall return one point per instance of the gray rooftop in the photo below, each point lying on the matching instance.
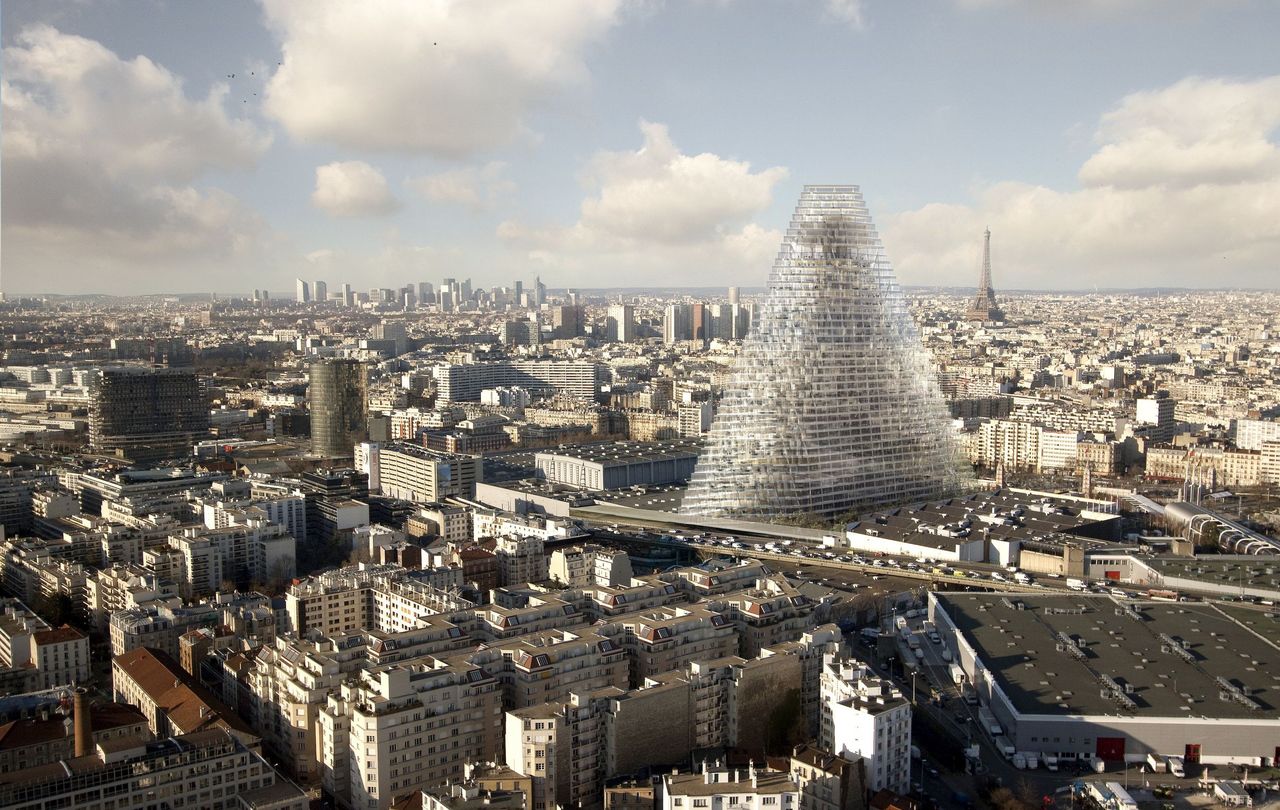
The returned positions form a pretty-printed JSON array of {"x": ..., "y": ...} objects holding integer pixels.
[{"x": 1026, "y": 650}]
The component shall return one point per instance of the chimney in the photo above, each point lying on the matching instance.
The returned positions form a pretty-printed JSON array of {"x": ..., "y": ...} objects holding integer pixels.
[{"x": 84, "y": 731}]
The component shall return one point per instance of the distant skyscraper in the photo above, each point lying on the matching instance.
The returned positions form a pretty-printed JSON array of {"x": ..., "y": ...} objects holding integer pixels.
[
  {"x": 984, "y": 306},
  {"x": 831, "y": 406},
  {"x": 304, "y": 291},
  {"x": 539, "y": 292},
  {"x": 337, "y": 396},
  {"x": 426, "y": 293},
  {"x": 147, "y": 415},
  {"x": 348, "y": 297},
  {"x": 733, "y": 295},
  {"x": 620, "y": 324},
  {"x": 519, "y": 294},
  {"x": 320, "y": 292},
  {"x": 677, "y": 323}
]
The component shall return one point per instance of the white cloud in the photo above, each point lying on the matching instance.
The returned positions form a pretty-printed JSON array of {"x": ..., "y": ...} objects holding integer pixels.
[
  {"x": 1092, "y": 7},
  {"x": 477, "y": 188},
  {"x": 101, "y": 156},
  {"x": 449, "y": 78},
  {"x": 679, "y": 219},
  {"x": 849, "y": 12},
  {"x": 352, "y": 188},
  {"x": 1183, "y": 190}
]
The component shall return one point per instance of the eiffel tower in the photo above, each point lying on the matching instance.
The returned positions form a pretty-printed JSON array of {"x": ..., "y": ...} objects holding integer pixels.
[{"x": 984, "y": 306}]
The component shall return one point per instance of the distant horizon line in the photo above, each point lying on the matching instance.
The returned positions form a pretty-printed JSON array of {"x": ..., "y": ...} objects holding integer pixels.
[{"x": 289, "y": 295}]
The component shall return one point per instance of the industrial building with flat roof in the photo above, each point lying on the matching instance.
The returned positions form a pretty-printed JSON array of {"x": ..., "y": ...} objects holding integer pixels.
[
  {"x": 1080, "y": 676},
  {"x": 617, "y": 465},
  {"x": 1036, "y": 532}
]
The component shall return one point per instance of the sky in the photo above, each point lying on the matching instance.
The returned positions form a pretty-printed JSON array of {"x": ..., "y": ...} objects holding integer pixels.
[{"x": 165, "y": 146}]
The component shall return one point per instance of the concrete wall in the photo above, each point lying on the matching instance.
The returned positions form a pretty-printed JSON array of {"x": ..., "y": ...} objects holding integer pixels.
[{"x": 652, "y": 726}]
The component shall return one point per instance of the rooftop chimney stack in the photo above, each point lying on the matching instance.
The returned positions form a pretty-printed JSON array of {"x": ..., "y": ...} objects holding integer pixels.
[{"x": 84, "y": 733}]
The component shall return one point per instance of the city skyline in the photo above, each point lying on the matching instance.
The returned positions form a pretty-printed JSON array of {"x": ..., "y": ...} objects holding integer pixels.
[{"x": 201, "y": 147}]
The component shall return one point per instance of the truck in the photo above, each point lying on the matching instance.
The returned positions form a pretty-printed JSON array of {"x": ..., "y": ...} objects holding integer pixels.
[
  {"x": 829, "y": 541},
  {"x": 988, "y": 721},
  {"x": 913, "y": 642},
  {"x": 946, "y": 654},
  {"x": 1021, "y": 578},
  {"x": 1008, "y": 750},
  {"x": 1157, "y": 763},
  {"x": 1033, "y": 759},
  {"x": 957, "y": 672},
  {"x": 1076, "y": 584},
  {"x": 1177, "y": 766},
  {"x": 1051, "y": 763},
  {"x": 1121, "y": 798}
]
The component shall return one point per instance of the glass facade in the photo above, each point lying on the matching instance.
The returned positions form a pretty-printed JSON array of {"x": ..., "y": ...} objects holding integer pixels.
[{"x": 832, "y": 405}]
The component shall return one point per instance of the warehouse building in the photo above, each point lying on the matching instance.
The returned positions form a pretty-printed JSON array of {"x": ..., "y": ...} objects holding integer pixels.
[{"x": 1080, "y": 677}]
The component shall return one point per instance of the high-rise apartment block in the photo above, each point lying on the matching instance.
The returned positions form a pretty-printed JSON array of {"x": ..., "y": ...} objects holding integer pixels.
[
  {"x": 463, "y": 382},
  {"x": 832, "y": 405},
  {"x": 147, "y": 415},
  {"x": 1156, "y": 413},
  {"x": 302, "y": 291},
  {"x": 416, "y": 473},
  {"x": 865, "y": 715},
  {"x": 338, "y": 399},
  {"x": 620, "y": 325}
]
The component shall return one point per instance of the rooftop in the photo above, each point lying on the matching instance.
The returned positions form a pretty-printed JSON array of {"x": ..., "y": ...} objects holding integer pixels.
[{"x": 1092, "y": 655}]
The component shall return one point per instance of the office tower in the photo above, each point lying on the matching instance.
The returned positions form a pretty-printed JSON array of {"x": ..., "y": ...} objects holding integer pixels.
[
  {"x": 348, "y": 297},
  {"x": 319, "y": 292},
  {"x": 524, "y": 332},
  {"x": 394, "y": 331},
  {"x": 539, "y": 292},
  {"x": 733, "y": 296},
  {"x": 620, "y": 323},
  {"x": 464, "y": 290},
  {"x": 722, "y": 317},
  {"x": 147, "y": 415},
  {"x": 303, "y": 291},
  {"x": 566, "y": 321},
  {"x": 408, "y": 298},
  {"x": 699, "y": 322},
  {"x": 519, "y": 293},
  {"x": 984, "y": 306},
  {"x": 831, "y": 406},
  {"x": 677, "y": 323},
  {"x": 339, "y": 406},
  {"x": 741, "y": 320},
  {"x": 446, "y": 300},
  {"x": 426, "y": 293}
]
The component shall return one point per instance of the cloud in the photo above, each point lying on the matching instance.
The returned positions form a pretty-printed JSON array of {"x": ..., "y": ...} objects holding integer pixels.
[
  {"x": 479, "y": 189},
  {"x": 677, "y": 218},
  {"x": 352, "y": 188},
  {"x": 1183, "y": 190},
  {"x": 1087, "y": 7},
  {"x": 101, "y": 160},
  {"x": 448, "y": 78},
  {"x": 849, "y": 12}
]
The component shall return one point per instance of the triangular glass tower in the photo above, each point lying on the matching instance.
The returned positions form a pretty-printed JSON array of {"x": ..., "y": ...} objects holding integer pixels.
[{"x": 832, "y": 405}]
